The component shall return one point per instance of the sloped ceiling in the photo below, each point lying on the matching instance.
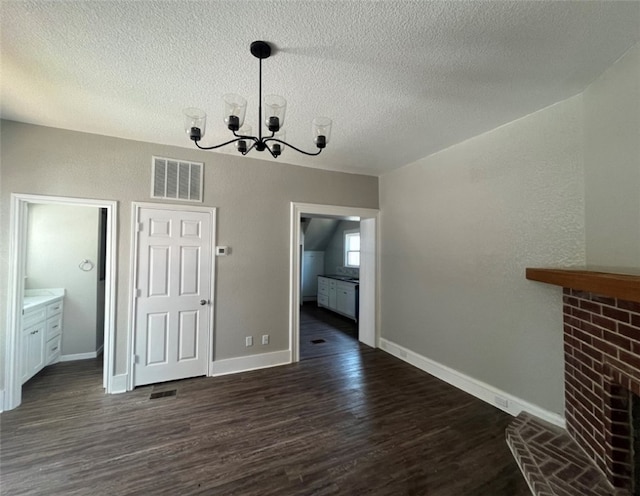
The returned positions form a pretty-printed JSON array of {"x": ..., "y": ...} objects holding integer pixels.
[
  {"x": 400, "y": 79},
  {"x": 318, "y": 233}
]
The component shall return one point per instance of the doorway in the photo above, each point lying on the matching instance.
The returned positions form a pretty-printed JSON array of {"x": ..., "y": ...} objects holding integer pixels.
[
  {"x": 330, "y": 272},
  {"x": 104, "y": 212},
  {"x": 367, "y": 308}
]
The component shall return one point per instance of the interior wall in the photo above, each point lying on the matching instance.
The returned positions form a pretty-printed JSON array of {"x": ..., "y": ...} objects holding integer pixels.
[
  {"x": 253, "y": 198},
  {"x": 334, "y": 253},
  {"x": 59, "y": 237},
  {"x": 612, "y": 164},
  {"x": 459, "y": 228}
]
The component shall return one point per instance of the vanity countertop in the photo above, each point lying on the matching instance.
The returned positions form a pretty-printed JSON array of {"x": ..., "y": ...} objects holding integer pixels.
[{"x": 34, "y": 297}]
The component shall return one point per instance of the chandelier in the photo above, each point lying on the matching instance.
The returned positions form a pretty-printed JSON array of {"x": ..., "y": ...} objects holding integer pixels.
[{"x": 235, "y": 108}]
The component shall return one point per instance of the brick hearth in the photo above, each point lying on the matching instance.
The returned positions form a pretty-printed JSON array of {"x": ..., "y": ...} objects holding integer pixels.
[{"x": 602, "y": 373}]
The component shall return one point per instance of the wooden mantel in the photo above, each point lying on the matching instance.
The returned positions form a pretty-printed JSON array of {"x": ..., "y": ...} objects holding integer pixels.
[{"x": 624, "y": 285}]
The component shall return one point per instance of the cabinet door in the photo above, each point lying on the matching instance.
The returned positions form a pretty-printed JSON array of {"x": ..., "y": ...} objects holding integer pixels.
[
  {"x": 332, "y": 298},
  {"x": 24, "y": 355},
  {"x": 350, "y": 303},
  {"x": 341, "y": 300},
  {"x": 35, "y": 349}
]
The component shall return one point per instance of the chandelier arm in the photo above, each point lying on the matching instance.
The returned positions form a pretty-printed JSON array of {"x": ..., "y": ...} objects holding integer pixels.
[
  {"x": 244, "y": 136},
  {"x": 255, "y": 142},
  {"x": 291, "y": 146},
  {"x": 217, "y": 146}
]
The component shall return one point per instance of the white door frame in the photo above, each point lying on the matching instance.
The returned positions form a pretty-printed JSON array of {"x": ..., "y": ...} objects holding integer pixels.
[
  {"x": 369, "y": 270},
  {"x": 133, "y": 278},
  {"x": 17, "y": 267}
]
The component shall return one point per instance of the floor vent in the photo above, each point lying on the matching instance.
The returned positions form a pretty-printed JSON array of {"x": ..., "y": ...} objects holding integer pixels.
[
  {"x": 163, "y": 394},
  {"x": 318, "y": 341}
]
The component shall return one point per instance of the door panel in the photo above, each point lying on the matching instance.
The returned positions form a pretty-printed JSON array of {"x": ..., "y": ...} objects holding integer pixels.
[
  {"x": 173, "y": 309},
  {"x": 156, "y": 339}
]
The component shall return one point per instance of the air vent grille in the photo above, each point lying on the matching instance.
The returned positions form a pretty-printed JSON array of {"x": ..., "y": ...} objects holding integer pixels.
[{"x": 176, "y": 179}]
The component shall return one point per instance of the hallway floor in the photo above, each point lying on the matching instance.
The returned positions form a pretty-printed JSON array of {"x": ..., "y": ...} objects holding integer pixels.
[{"x": 324, "y": 333}]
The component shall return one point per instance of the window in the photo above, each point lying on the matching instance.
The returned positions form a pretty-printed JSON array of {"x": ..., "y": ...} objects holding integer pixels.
[{"x": 352, "y": 248}]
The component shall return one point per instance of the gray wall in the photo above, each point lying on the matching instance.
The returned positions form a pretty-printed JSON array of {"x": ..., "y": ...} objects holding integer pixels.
[
  {"x": 253, "y": 197},
  {"x": 458, "y": 230},
  {"x": 334, "y": 253},
  {"x": 58, "y": 238},
  {"x": 612, "y": 164},
  {"x": 555, "y": 188}
]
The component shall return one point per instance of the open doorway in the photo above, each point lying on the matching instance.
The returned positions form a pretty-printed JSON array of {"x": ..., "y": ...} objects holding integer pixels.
[
  {"x": 330, "y": 275},
  {"x": 62, "y": 284},
  {"x": 352, "y": 320}
]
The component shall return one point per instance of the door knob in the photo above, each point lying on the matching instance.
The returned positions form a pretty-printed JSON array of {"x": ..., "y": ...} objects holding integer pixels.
[{"x": 203, "y": 302}]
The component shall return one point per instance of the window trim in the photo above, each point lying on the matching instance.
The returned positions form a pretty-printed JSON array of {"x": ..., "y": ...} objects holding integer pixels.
[{"x": 346, "y": 251}]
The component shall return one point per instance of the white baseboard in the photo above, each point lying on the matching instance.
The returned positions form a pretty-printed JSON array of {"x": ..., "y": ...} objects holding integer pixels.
[
  {"x": 78, "y": 356},
  {"x": 119, "y": 383},
  {"x": 1, "y": 400},
  {"x": 251, "y": 362},
  {"x": 500, "y": 399},
  {"x": 99, "y": 351}
]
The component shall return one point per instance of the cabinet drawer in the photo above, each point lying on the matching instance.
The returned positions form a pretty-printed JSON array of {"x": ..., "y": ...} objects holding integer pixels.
[
  {"x": 52, "y": 350},
  {"x": 54, "y": 326},
  {"x": 323, "y": 300},
  {"x": 345, "y": 286},
  {"x": 33, "y": 317},
  {"x": 54, "y": 308},
  {"x": 323, "y": 290},
  {"x": 332, "y": 283}
]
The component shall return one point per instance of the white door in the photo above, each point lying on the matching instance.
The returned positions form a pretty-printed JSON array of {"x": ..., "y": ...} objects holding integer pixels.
[{"x": 173, "y": 307}]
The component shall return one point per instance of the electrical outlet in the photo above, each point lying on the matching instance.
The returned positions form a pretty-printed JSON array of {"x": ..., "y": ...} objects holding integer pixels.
[
  {"x": 265, "y": 339},
  {"x": 248, "y": 341}
]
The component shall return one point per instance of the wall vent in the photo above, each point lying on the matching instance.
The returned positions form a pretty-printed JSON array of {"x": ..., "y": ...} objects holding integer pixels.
[{"x": 176, "y": 179}]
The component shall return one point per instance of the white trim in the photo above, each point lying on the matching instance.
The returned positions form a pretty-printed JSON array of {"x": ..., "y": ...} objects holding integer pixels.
[
  {"x": 133, "y": 277},
  {"x": 17, "y": 237},
  {"x": 474, "y": 387},
  {"x": 297, "y": 210},
  {"x": 251, "y": 362},
  {"x": 99, "y": 350},
  {"x": 1, "y": 400},
  {"x": 78, "y": 356},
  {"x": 119, "y": 383}
]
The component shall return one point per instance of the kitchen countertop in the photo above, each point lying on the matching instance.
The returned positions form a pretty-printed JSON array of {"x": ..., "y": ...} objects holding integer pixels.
[{"x": 339, "y": 277}]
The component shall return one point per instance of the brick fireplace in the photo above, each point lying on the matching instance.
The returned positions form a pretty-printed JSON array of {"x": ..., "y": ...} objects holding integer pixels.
[
  {"x": 602, "y": 391},
  {"x": 602, "y": 369}
]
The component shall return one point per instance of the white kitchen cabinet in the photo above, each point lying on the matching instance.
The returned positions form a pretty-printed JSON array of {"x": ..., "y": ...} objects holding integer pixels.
[
  {"x": 41, "y": 333},
  {"x": 339, "y": 296},
  {"x": 333, "y": 301},
  {"x": 346, "y": 299}
]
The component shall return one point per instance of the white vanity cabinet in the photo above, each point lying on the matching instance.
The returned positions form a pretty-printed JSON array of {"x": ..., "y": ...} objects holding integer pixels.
[
  {"x": 41, "y": 333},
  {"x": 339, "y": 296}
]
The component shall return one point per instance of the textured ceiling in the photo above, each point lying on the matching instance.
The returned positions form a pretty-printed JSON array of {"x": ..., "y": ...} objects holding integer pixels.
[{"x": 400, "y": 79}]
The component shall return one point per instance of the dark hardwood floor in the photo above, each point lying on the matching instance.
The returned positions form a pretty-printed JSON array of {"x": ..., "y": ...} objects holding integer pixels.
[
  {"x": 323, "y": 333},
  {"x": 349, "y": 424}
]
